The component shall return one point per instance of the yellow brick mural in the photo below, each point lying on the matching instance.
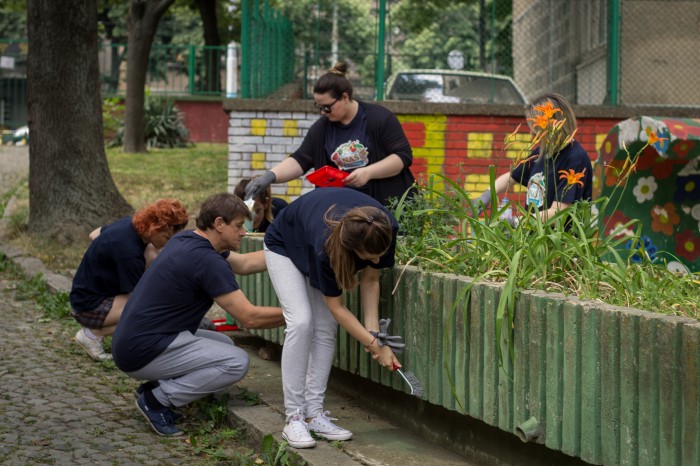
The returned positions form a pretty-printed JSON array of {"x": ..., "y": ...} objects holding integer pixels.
[
  {"x": 518, "y": 146},
  {"x": 257, "y": 161},
  {"x": 427, "y": 136},
  {"x": 258, "y": 127},
  {"x": 290, "y": 128},
  {"x": 480, "y": 145}
]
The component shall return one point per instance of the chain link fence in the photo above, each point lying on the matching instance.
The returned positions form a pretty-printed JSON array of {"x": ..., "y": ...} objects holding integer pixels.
[{"x": 594, "y": 52}]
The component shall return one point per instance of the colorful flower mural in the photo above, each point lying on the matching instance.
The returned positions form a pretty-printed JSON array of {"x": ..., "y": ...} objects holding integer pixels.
[
  {"x": 688, "y": 245},
  {"x": 664, "y": 218},
  {"x": 645, "y": 188},
  {"x": 663, "y": 186}
]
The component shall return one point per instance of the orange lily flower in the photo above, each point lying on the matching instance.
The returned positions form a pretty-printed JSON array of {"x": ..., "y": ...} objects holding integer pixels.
[
  {"x": 547, "y": 110},
  {"x": 540, "y": 121},
  {"x": 571, "y": 176},
  {"x": 653, "y": 137}
]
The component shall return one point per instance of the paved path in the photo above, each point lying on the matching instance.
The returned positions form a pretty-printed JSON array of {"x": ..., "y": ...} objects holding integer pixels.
[
  {"x": 14, "y": 166},
  {"x": 58, "y": 406}
]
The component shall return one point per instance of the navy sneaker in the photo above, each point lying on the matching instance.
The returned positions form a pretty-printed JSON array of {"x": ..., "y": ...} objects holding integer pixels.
[
  {"x": 175, "y": 414},
  {"x": 160, "y": 419}
]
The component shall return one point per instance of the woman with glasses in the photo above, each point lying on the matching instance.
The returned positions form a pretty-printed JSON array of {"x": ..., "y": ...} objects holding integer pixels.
[
  {"x": 365, "y": 140},
  {"x": 112, "y": 265}
]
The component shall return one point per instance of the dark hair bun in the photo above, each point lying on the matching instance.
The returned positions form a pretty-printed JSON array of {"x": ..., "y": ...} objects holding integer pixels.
[{"x": 340, "y": 68}]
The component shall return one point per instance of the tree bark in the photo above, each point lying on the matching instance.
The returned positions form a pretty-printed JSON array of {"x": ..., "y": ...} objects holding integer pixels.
[
  {"x": 211, "y": 79},
  {"x": 144, "y": 16},
  {"x": 71, "y": 189}
]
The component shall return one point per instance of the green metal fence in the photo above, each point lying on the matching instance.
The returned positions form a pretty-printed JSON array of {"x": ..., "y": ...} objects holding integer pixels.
[
  {"x": 267, "y": 49},
  {"x": 187, "y": 70},
  {"x": 594, "y": 52},
  {"x": 13, "y": 89},
  {"x": 172, "y": 69}
]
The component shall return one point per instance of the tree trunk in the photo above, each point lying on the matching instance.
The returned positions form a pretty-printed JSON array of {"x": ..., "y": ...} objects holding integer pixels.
[
  {"x": 211, "y": 79},
  {"x": 71, "y": 190},
  {"x": 144, "y": 16}
]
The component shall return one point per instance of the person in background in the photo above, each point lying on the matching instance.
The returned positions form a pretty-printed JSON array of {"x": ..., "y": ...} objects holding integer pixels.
[
  {"x": 158, "y": 339},
  {"x": 314, "y": 250},
  {"x": 265, "y": 207},
  {"x": 366, "y": 140},
  {"x": 548, "y": 172},
  {"x": 112, "y": 265}
]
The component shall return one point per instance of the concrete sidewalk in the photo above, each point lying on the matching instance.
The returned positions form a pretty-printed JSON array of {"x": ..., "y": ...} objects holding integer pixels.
[
  {"x": 60, "y": 407},
  {"x": 376, "y": 440}
]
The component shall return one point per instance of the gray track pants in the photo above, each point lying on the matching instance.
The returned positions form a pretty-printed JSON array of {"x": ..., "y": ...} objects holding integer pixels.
[
  {"x": 309, "y": 341},
  {"x": 194, "y": 366}
]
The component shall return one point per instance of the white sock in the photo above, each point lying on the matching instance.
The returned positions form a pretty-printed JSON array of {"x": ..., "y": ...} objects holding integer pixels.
[{"x": 91, "y": 335}]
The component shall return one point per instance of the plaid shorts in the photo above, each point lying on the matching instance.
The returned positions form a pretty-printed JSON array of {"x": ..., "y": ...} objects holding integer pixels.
[{"x": 96, "y": 317}]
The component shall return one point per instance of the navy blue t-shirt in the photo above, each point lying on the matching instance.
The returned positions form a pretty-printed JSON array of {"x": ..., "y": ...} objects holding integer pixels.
[
  {"x": 173, "y": 296},
  {"x": 299, "y": 233},
  {"x": 112, "y": 265},
  {"x": 541, "y": 194}
]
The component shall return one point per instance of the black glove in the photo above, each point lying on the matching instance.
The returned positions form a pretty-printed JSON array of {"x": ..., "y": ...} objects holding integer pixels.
[
  {"x": 259, "y": 184},
  {"x": 383, "y": 337},
  {"x": 482, "y": 201}
]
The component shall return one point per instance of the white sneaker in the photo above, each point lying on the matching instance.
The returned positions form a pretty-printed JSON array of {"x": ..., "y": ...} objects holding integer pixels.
[
  {"x": 323, "y": 427},
  {"x": 296, "y": 433},
  {"x": 92, "y": 347}
]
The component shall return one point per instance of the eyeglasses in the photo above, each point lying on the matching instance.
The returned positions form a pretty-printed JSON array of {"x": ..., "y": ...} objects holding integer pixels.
[{"x": 326, "y": 108}]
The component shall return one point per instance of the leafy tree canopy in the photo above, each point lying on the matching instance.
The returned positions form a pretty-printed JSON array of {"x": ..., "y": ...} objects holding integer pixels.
[{"x": 13, "y": 19}]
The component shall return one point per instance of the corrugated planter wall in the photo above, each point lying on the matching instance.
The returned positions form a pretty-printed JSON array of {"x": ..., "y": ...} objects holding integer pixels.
[{"x": 606, "y": 384}]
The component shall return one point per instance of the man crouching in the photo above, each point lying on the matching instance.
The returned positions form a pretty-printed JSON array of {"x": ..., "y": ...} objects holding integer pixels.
[{"x": 158, "y": 339}]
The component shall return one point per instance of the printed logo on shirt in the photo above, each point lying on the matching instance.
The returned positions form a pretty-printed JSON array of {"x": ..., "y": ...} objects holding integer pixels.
[
  {"x": 350, "y": 155},
  {"x": 535, "y": 191}
]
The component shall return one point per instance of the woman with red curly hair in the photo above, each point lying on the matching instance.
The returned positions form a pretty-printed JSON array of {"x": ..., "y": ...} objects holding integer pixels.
[{"x": 113, "y": 264}]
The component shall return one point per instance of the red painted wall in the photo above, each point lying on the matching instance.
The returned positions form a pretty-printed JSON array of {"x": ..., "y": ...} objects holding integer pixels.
[
  {"x": 463, "y": 147},
  {"x": 205, "y": 120}
]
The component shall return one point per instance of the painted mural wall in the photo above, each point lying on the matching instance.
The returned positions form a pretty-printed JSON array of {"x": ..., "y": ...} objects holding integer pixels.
[{"x": 459, "y": 146}]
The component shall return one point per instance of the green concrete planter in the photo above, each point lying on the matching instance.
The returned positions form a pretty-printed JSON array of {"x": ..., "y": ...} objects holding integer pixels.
[{"x": 609, "y": 385}]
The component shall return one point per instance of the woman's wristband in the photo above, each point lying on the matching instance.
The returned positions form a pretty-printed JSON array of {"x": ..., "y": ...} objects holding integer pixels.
[{"x": 370, "y": 343}]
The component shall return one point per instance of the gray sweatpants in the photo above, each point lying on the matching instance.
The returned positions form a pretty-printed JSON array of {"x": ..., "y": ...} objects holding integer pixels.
[
  {"x": 194, "y": 366},
  {"x": 309, "y": 340}
]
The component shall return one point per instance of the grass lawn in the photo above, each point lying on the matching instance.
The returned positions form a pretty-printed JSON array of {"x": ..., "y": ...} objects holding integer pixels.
[{"x": 190, "y": 175}]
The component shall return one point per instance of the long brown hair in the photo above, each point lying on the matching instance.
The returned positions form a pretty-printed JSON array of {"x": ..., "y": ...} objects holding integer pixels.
[
  {"x": 365, "y": 230},
  {"x": 568, "y": 130},
  {"x": 263, "y": 197}
]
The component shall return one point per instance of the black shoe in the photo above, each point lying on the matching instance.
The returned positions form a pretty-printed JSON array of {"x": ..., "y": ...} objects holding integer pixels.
[
  {"x": 174, "y": 413},
  {"x": 160, "y": 419}
]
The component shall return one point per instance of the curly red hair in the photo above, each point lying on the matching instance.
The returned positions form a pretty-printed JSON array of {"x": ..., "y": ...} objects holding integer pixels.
[{"x": 161, "y": 215}]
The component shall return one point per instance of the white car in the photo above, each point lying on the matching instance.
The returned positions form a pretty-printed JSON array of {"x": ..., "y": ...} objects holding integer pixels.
[
  {"x": 20, "y": 136},
  {"x": 453, "y": 86}
]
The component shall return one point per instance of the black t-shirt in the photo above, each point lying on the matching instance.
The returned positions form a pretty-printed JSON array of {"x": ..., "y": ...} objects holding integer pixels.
[
  {"x": 541, "y": 194},
  {"x": 300, "y": 231},
  {"x": 383, "y": 136},
  {"x": 173, "y": 296},
  {"x": 112, "y": 265}
]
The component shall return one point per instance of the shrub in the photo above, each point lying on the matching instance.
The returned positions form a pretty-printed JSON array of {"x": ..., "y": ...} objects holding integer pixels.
[{"x": 164, "y": 125}]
